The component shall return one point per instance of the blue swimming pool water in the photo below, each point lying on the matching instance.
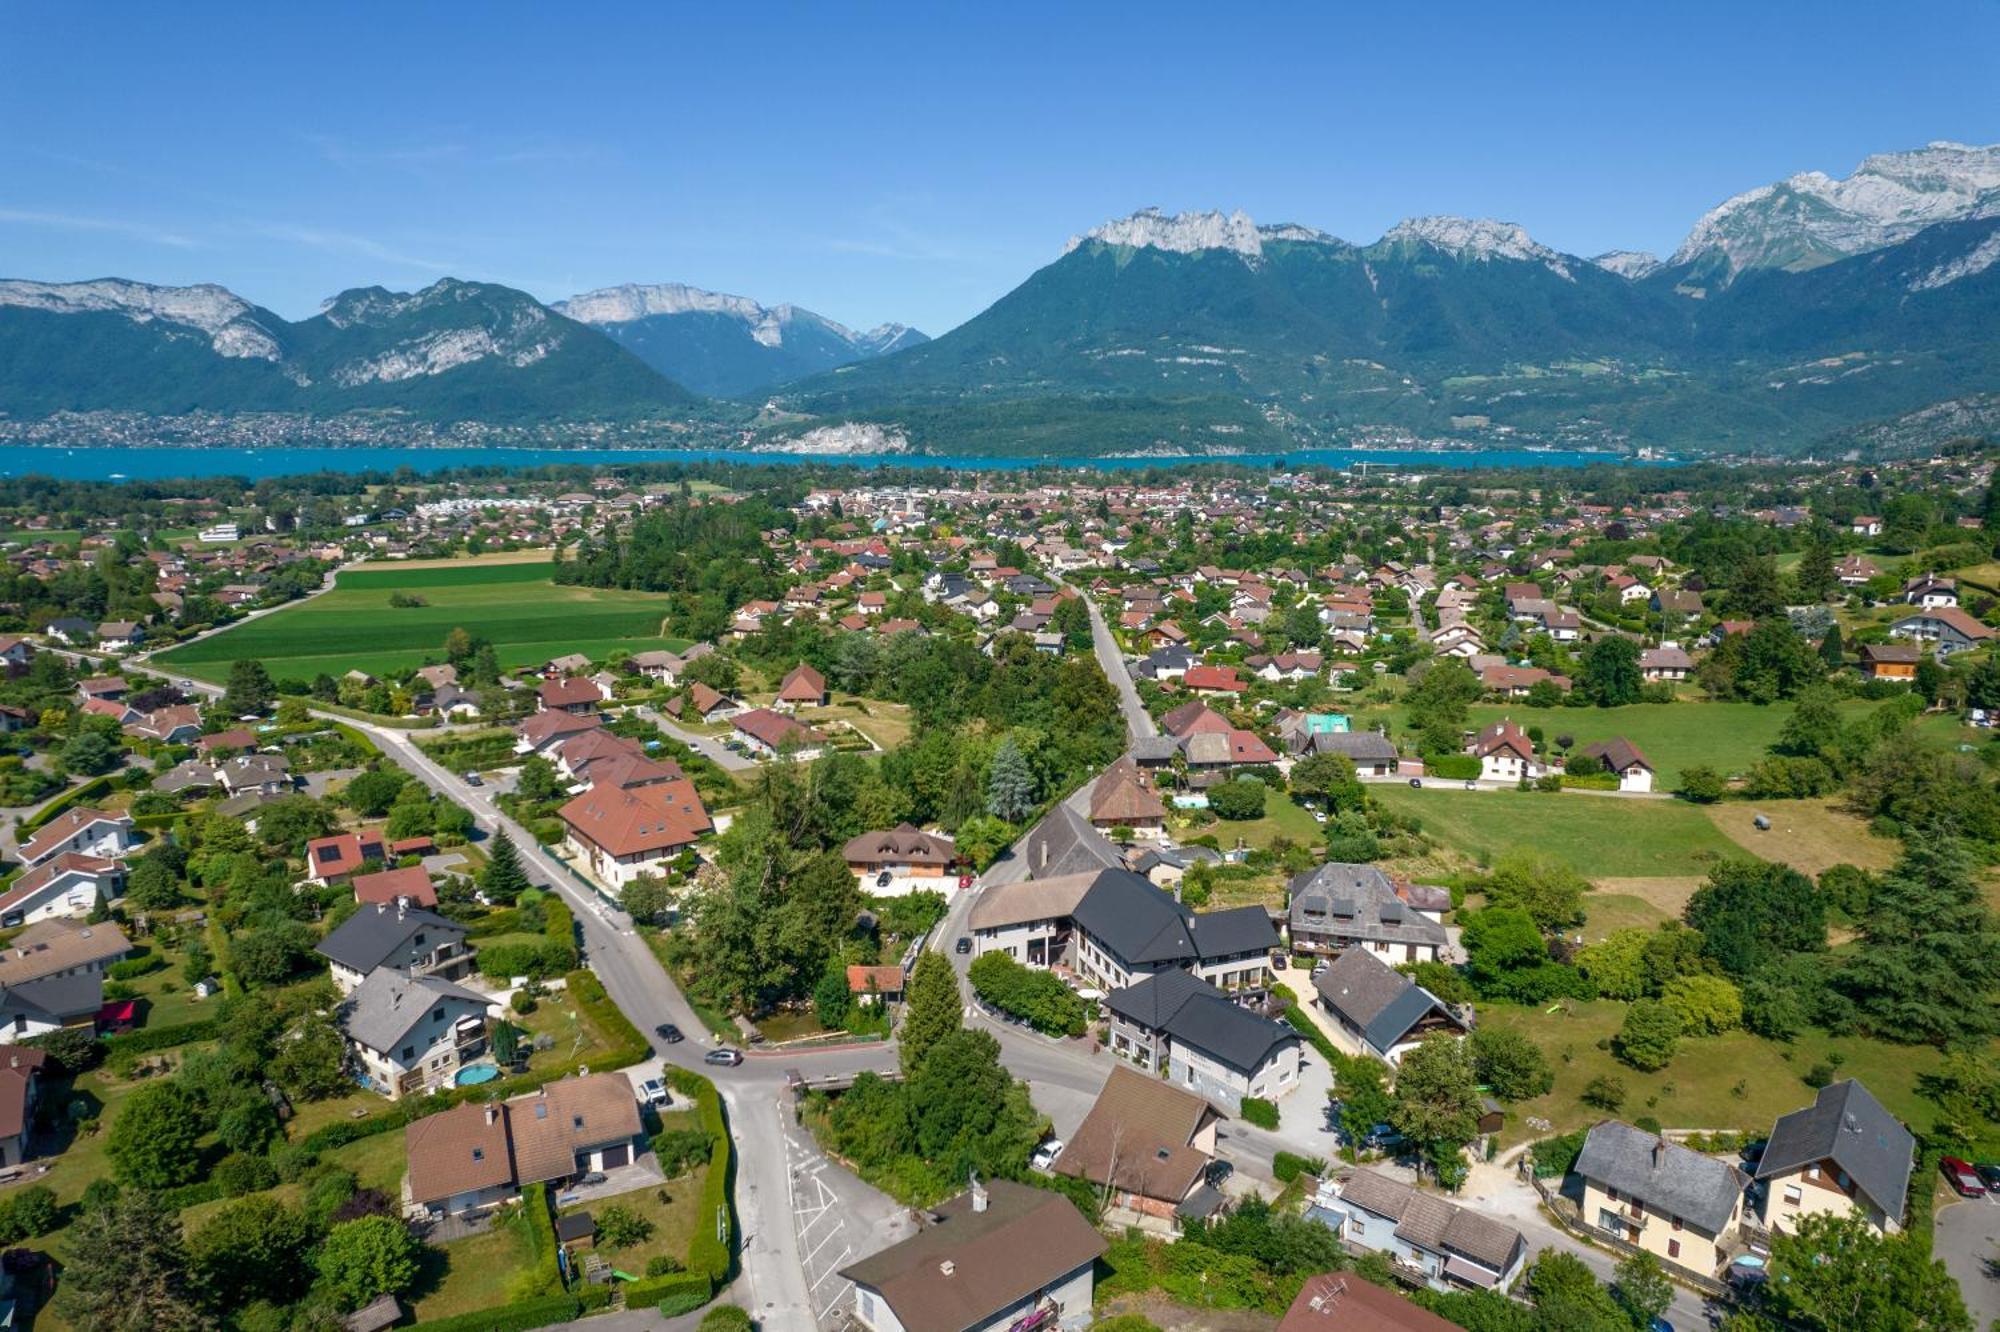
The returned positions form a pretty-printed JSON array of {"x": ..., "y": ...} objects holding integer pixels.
[{"x": 474, "y": 1074}]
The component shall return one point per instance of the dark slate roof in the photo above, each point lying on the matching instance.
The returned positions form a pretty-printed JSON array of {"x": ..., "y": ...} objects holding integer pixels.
[
  {"x": 1194, "y": 1013},
  {"x": 1383, "y": 1002},
  {"x": 1135, "y": 920},
  {"x": 1664, "y": 1175},
  {"x": 365, "y": 939},
  {"x": 1849, "y": 1127},
  {"x": 1245, "y": 929},
  {"x": 1155, "y": 749},
  {"x": 1361, "y": 746},
  {"x": 1369, "y": 899},
  {"x": 59, "y": 997},
  {"x": 1065, "y": 843},
  {"x": 1152, "y": 1002}
]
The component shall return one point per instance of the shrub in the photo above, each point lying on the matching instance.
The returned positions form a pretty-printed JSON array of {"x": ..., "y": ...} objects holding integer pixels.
[
  {"x": 239, "y": 1173},
  {"x": 1554, "y": 1156},
  {"x": 1239, "y": 799},
  {"x": 1453, "y": 767},
  {"x": 1038, "y": 998},
  {"x": 1605, "y": 1092},
  {"x": 1288, "y": 1166},
  {"x": 681, "y": 1150},
  {"x": 725, "y": 1318},
  {"x": 1260, "y": 1112},
  {"x": 708, "y": 1255},
  {"x": 620, "y": 1227}
]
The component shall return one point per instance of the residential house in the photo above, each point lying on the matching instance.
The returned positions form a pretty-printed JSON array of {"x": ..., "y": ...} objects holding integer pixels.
[
  {"x": 1126, "y": 928},
  {"x": 387, "y": 887},
  {"x": 87, "y": 832},
  {"x": 69, "y": 885},
  {"x": 1174, "y": 1024},
  {"x": 1379, "y": 1011},
  {"x": 336, "y": 858},
  {"x": 52, "y": 976},
  {"x": 1931, "y": 592},
  {"x": 802, "y": 687},
  {"x": 1844, "y": 1154},
  {"x": 1346, "y": 1302},
  {"x": 1952, "y": 629},
  {"x": 875, "y": 985},
  {"x": 1341, "y": 907},
  {"x": 1675, "y": 1203},
  {"x": 1676, "y": 603},
  {"x": 120, "y": 635},
  {"x": 1435, "y": 1242},
  {"x": 20, "y": 1094},
  {"x": 408, "y": 939},
  {"x": 540, "y": 732},
  {"x": 1665, "y": 664},
  {"x": 176, "y": 724},
  {"x": 1030, "y": 920},
  {"x": 1890, "y": 661},
  {"x": 1505, "y": 753},
  {"x": 905, "y": 859},
  {"x": 1370, "y": 751},
  {"x": 572, "y": 694},
  {"x": 1210, "y": 681},
  {"x": 411, "y": 1034},
  {"x": 187, "y": 775},
  {"x": 266, "y": 774},
  {"x": 1855, "y": 570},
  {"x": 999, "y": 1256},
  {"x": 16, "y": 653},
  {"x": 1619, "y": 755},
  {"x": 1146, "y": 1145},
  {"x": 769, "y": 734},
  {"x": 622, "y": 833},
  {"x": 1123, "y": 797},
  {"x": 1064, "y": 843},
  {"x": 476, "y": 1155}
]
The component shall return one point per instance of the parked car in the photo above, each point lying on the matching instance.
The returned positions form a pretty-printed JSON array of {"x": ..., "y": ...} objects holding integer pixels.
[
  {"x": 654, "y": 1092},
  {"x": 594, "y": 1177},
  {"x": 1046, "y": 1154},
  {"x": 1216, "y": 1171},
  {"x": 1963, "y": 1179},
  {"x": 474, "y": 779},
  {"x": 1279, "y": 962},
  {"x": 964, "y": 944},
  {"x": 668, "y": 1033},
  {"x": 1416, "y": 781},
  {"x": 725, "y": 1056},
  {"x": 1989, "y": 1175}
]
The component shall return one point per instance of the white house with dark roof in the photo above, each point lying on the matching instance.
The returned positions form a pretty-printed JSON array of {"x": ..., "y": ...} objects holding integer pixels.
[
  {"x": 1435, "y": 1242},
  {"x": 1126, "y": 928},
  {"x": 1682, "y": 1207},
  {"x": 395, "y": 935},
  {"x": 1174, "y": 1024},
  {"x": 1843, "y": 1154},
  {"x": 409, "y": 1034},
  {"x": 1378, "y": 1011},
  {"x": 1342, "y": 906}
]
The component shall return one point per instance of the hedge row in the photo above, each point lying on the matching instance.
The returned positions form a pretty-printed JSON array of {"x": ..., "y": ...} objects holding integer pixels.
[
  {"x": 542, "y": 1238},
  {"x": 709, "y": 1254},
  {"x": 90, "y": 790},
  {"x": 692, "y": 1289},
  {"x": 1453, "y": 767},
  {"x": 542, "y": 1311},
  {"x": 146, "y": 1040},
  {"x": 373, "y": 719},
  {"x": 132, "y": 968},
  {"x": 627, "y": 1045},
  {"x": 1288, "y": 1166},
  {"x": 190, "y": 1195}
]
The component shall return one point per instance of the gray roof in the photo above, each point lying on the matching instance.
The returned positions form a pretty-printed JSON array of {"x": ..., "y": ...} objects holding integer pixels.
[
  {"x": 1361, "y": 746},
  {"x": 1142, "y": 925},
  {"x": 1155, "y": 749},
  {"x": 1665, "y": 1176},
  {"x": 1849, "y": 1127},
  {"x": 57, "y": 997},
  {"x": 1371, "y": 995},
  {"x": 1065, "y": 843},
  {"x": 1194, "y": 1013},
  {"x": 1238, "y": 930},
  {"x": 1429, "y": 1222},
  {"x": 1372, "y": 908},
  {"x": 387, "y": 1004},
  {"x": 366, "y": 939}
]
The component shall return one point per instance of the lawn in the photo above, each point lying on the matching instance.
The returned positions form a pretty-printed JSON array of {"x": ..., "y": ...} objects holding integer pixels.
[
  {"x": 1282, "y": 818},
  {"x": 474, "y": 1273},
  {"x": 526, "y": 617},
  {"x": 1808, "y": 835},
  {"x": 1598, "y": 835},
  {"x": 673, "y": 1209},
  {"x": 1700, "y": 1088}
]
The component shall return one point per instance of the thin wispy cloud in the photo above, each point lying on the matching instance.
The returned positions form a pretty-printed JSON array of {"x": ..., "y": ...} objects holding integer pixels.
[
  {"x": 117, "y": 226},
  {"x": 348, "y": 242}
]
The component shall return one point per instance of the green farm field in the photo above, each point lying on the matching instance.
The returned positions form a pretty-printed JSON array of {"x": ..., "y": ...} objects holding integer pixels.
[{"x": 515, "y": 606}]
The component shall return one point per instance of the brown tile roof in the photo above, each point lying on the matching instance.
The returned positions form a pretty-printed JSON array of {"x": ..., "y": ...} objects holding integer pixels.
[
  {"x": 413, "y": 883},
  {"x": 65, "y": 826},
  {"x": 19, "y": 1066},
  {"x": 35, "y": 879},
  {"x": 903, "y": 843},
  {"x": 656, "y": 818},
  {"x": 970, "y": 1265},
  {"x": 1138, "y": 1137},
  {"x": 572, "y": 1115},
  {"x": 50, "y": 946},
  {"x": 875, "y": 980},
  {"x": 1344, "y": 1302},
  {"x": 460, "y": 1150},
  {"x": 802, "y": 685}
]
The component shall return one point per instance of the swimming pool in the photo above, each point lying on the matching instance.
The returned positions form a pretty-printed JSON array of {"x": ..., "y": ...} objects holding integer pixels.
[{"x": 474, "y": 1074}]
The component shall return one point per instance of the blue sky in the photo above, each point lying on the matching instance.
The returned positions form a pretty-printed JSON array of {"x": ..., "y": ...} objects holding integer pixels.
[{"x": 879, "y": 162}]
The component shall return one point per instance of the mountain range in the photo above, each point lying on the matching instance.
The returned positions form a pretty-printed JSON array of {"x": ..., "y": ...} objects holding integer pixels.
[
  {"x": 1807, "y": 313},
  {"x": 727, "y": 346}
]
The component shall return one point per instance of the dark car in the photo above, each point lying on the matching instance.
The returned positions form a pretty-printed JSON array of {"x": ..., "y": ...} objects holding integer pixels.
[
  {"x": 964, "y": 943},
  {"x": 725, "y": 1056},
  {"x": 1417, "y": 782},
  {"x": 1989, "y": 1175},
  {"x": 1963, "y": 1179},
  {"x": 668, "y": 1033}
]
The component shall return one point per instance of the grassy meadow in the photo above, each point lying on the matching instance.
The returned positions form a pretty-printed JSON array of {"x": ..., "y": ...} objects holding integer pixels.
[{"x": 513, "y": 604}]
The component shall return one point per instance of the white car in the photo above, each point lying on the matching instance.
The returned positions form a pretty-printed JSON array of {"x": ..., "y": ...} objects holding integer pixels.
[
  {"x": 1046, "y": 1154},
  {"x": 654, "y": 1093}
]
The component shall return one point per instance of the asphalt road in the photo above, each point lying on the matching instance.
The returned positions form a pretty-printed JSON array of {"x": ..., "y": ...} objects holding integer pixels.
[
  {"x": 1137, "y": 720},
  {"x": 704, "y": 745},
  {"x": 1965, "y": 1236}
]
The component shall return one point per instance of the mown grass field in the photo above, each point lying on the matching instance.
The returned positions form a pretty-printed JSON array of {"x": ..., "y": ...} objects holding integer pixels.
[
  {"x": 1601, "y": 836},
  {"x": 514, "y": 605}
]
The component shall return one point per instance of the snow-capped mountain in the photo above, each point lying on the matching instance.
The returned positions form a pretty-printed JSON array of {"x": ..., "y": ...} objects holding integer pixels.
[
  {"x": 727, "y": 345},
  {"x": 1812, "y": 218}
]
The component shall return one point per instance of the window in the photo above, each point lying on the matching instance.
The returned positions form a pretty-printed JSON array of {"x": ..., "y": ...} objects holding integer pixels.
[
  {"x": 576, "y": 1121},
  {"x": 541, "y": 1112},
  {"x": 409, "y": 1052},
  {"x": 1794, "y": 1195},
  {"x": 1812, "y": 1172},
  {"x": 1677, "y": 1223},
  {"x": 1673, "y": 1248},
  {"x": 479, "y": 1153},
  {"x": 437, "y": 1015}
]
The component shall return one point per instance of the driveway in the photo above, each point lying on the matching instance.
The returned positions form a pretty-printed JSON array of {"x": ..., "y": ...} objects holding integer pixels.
[
  {"x": 1966, "y": 1233},
  {"x": 706, "y": 746}
]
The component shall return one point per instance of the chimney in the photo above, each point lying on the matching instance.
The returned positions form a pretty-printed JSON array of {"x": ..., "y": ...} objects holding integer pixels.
[
  {"x": 1659, "y": 1151},
  {"x": 402, "y": 907},
  {"x": 947, "y": 1267},
  {"x": 492, "y": 1112},
  {"x": 978, "y": 1195}
]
